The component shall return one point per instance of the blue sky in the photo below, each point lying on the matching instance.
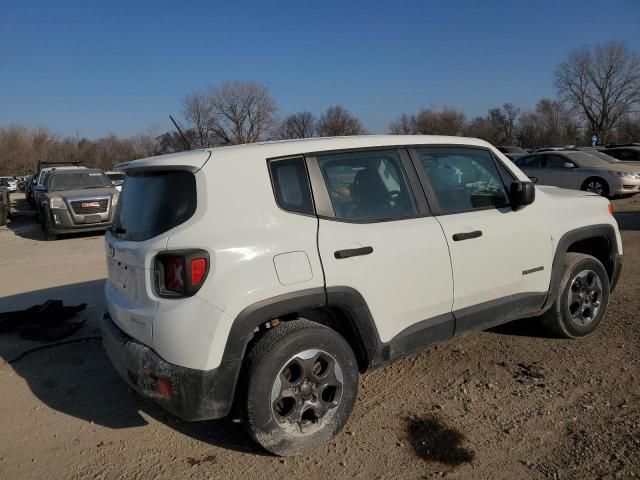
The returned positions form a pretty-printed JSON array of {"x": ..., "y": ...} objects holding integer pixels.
[{"x": 100, "y": 67}]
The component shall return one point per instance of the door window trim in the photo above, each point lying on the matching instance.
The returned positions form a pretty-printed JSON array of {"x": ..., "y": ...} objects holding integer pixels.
[
  {"x": 324, "y": 206},
  {"x": 430, "y": 193}
]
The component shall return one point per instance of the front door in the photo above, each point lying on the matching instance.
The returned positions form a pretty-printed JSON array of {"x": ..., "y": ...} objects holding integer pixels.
[{"x": 501, "y": 258}]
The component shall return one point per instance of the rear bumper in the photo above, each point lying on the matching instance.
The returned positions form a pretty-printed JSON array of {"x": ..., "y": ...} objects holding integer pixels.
[{"x": 193, "y": 394}]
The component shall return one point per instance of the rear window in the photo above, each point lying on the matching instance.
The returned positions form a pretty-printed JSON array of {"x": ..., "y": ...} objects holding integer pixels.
[{"x": 153, "y": 202}]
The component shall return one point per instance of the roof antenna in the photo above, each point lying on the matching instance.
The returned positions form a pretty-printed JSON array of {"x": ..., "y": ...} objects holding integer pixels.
[{"x": 186, "y": 142}]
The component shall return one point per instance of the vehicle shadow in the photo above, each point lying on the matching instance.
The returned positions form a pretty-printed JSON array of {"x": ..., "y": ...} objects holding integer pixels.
[
  {"x": 525, "y": 327},
  {"x": 628, "y": 220},
  {"x": 77, "y": 379}
]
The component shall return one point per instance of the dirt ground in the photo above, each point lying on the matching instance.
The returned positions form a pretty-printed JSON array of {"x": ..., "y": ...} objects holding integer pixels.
[{"x": 505, "y": 404}]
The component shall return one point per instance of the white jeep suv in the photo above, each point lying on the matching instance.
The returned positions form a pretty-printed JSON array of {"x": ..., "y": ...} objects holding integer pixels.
[{"x": 268, "y": 276}]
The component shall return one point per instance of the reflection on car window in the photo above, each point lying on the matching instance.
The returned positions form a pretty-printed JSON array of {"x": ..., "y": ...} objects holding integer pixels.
[
  {"x": 367, "y": 185},
  {"x": 463, "y": 178}
]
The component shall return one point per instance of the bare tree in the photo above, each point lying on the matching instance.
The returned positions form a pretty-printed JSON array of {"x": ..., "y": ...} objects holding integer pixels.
[
  {"x": 448, "y": 121},
  {"x": 404, "y": 125},
  {"x": 510, "y": 114},
  {"x": 241, "y": 112},
  {"x": 603, "y": 83},
  {"x": 198, "y": 110},
  {"x": 297, "y": 125},
  {"x": 337, "y": 121},
  {"x": 551, "y": 124}
]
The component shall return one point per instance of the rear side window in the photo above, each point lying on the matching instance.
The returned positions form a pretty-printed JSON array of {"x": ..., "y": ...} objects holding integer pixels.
[
  {"x": 291, "y": 185},
  {"x": 153, "y": 202}
]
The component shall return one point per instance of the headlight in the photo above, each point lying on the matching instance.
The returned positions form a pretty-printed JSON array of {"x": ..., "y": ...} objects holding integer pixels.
[
  {"x": 114, "y": 199},
  {"x": 57, "y": 202},
  {"x": 622, "y": 174}
]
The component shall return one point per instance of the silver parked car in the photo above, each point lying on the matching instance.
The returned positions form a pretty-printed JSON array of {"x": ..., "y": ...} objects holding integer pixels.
[{"x": 579, "y": 170}]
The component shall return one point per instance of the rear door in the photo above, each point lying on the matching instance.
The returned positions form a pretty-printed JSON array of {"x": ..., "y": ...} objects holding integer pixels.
[
  {"x": 376, "y": 236},
  {"x": 558, "y": 173},
  {"x": 500, "y": 257}
]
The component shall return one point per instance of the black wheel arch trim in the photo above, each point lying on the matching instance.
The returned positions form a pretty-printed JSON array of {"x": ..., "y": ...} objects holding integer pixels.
[{"x": 606, "y": 231}]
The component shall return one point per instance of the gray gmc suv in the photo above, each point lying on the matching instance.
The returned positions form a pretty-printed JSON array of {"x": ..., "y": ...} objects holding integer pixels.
[{"x": 76, "y": 200}]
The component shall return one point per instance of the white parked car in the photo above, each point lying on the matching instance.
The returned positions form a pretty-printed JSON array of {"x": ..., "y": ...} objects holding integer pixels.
[
  {"x": 11, "y": 183},
  {"x": 273, "y": 274}
]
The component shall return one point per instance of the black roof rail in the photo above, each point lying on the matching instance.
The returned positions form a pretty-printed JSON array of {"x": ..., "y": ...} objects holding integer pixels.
[{"x": 71, "y": 162}]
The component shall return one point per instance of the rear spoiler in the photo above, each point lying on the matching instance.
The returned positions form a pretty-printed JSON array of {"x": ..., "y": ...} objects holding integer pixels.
[{"x": 192, "y": 160}]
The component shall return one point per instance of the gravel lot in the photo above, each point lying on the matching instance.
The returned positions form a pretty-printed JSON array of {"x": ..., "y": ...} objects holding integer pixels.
[{"x": 509, "y": 403}]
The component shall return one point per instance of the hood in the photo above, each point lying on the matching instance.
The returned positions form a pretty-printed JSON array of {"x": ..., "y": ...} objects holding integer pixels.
[
  {"x": 564, "y": 192},
  {"x": 632, "y": 167},
  {"x": 84, "y": 193}
]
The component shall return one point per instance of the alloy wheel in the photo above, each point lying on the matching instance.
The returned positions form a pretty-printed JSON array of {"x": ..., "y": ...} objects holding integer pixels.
[
  {"x": 307, "y": 391},
  {"x": 584, "y": 297},
  {"x": 595, "y": 187}
]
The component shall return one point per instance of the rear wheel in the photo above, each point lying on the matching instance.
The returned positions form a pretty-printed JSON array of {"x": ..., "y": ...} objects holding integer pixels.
[
  {"x": 596, "y": 185},
  {"x": 302, "y": 384},
  {"x": 582, "y": 298}
]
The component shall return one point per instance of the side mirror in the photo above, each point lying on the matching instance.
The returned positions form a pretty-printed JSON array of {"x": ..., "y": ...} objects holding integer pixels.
[
  {"x": 521, "y": 194},
  {"x": 568, "y": 165}
]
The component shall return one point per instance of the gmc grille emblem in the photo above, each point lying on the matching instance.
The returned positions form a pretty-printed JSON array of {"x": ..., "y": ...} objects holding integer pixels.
[{"x": 90, "y": 204}]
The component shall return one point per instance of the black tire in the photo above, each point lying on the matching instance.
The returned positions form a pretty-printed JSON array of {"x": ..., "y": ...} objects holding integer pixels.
[
  {"x": 286, "y": 422},
  {"x": 47, "y": 232},
  {"x": 4, "y": 215},
  {"x": 578, "y": 314},
  {"x": 596, "y": 185}
]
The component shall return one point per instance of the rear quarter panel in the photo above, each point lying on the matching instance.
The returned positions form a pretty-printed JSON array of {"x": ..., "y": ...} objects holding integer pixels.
[{"x": 239, "y": 223}]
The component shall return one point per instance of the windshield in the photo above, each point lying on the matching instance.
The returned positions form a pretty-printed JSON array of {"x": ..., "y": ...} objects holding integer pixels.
[
  {"x": 601, "y": 155},
  {"x": 154, "y": 202},
  {"x": 78, "y": 180},
  {"x": 116, "y": 176}
]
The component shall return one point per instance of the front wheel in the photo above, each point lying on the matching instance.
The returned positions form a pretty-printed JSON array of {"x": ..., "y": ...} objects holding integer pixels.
[
  {"x": 596, "y": 185},
  {"x": 47, "y": 232},
  {"x": 582, "y": 298},
  {"x": 302, "y": 384}
]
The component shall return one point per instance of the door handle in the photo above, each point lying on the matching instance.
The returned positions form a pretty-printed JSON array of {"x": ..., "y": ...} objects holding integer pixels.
[
  {"x": 466, "y": 235},
  {"x": 352, "y": 252}
]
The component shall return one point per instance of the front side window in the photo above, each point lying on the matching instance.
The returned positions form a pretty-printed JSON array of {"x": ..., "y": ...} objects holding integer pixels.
[
  {"x": 535, "y": 161},
  {"x": 367, "y": 186},
  {"x": 291, "y": 185},
  {"x": 556, "y": 161},
  {"x": 462, "y": 179}
]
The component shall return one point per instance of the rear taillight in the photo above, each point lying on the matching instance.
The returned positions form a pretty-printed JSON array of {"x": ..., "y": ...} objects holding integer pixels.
[{"x": 181, "y": 273}]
